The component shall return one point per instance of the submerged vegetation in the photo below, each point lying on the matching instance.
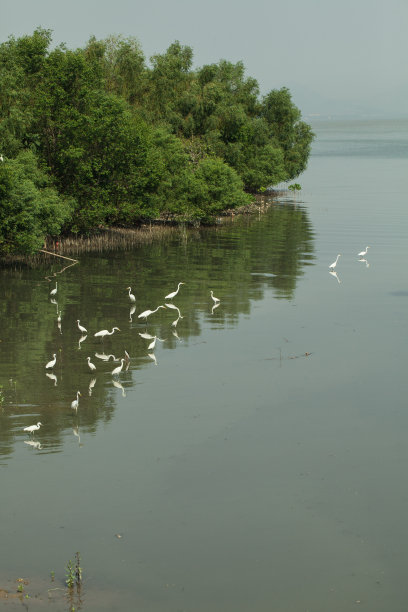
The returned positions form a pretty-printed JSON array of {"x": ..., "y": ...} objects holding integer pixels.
[{"x": 97, "y": 137}]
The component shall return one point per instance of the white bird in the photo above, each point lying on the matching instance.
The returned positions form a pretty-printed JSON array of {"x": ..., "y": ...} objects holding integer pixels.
[
  {"x": 54, "y": 291},
  {"x": 334, "y": 264},
  {"x": 81, "y": 328},
  {"x": 214, "y": 298},
  {"x": 152, "y": 344},
  {"x": 32, "y": 428},
  {"x": 91, "y": 365},
  {"x": 170, "y": 296},
  {"x": 147, "y": 313},
  {"x": 51, "y": 363},
  {"x": 105, "y": 332},
  {"x": 1, "y": 158},
  {"x": 74, "y": 404},
  {"x": 119, "y": 368},
  {"x": 131, "y": 296},
  {"x": 363, "y": 253}
]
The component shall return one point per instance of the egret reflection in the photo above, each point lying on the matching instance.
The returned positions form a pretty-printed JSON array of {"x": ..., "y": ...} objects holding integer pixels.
[
  {"x": 52, "y": 377},
  {"x": 82, "y": 339},
  {"x": 153, "y": 357},
  {"x": 33, "y": 444},
  {"x": 131, "y": 313},
  {"x": 215, "y": 306},
  {"x": 91, "y": 386},
  {"x": 334, "y": 273},
  {"x": 118, "y": 385},
  {"x": 365, "y": 261},
  {"x": 174, "y": 308}
]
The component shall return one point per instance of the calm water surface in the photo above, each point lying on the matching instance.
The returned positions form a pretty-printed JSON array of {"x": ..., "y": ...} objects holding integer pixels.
[{"x": 256, "y": 458}]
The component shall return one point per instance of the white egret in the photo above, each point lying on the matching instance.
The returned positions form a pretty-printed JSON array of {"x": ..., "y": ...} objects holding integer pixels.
[
  {"x": 216, "y": 300},
  {"x": 91, "y": 365},
  {"x": 131, "y": 296},
  {"x": 105, "y": 332},
  {"x": 74, "y": 404},
  {"x": 118, "y": 370},
  {"x": 1, "y": 158},
  {"x": 170, "y": 296},
  {"x": 51, "y": 363},
  {"x": 152, "y": 344},
  {"x": 363, "y": 253},
  {"x": 81, "y": 328},
  {"x": 334, "y": 264},
  {"x": 32, "y": 428},
  {"x": 54, "y": 291},
  {"x": 147, "y": 313}
]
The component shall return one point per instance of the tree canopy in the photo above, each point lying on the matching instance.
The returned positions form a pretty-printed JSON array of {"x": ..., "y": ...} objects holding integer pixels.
[{"x": 98, "y": 136}]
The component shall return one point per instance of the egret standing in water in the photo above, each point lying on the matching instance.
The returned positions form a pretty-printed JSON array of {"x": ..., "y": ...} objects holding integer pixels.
[
  {"x": 51, "y": 363},
  {"x": 216, "y": 300},
  {"x": 170, "y": 296},
  {"x": 117, "y": 371},
  {"x": 131, "y": 296},
  {"x": 81, "y": 328},
  {"x": 32, "y": 428},
  {"x": 53, "y": 292},
  {"x": 91, "y": 365},
  {"x": 334, "y": 264},
  {"x": 74, "y": 404},
  {"x": 105, "y": 332},
  {"x": 363, "y": 253},
  {"x": 147, "y": 313}
]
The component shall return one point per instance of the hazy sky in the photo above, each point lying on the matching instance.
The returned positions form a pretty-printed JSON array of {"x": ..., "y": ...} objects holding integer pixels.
[{"x": 334, "y": 55}]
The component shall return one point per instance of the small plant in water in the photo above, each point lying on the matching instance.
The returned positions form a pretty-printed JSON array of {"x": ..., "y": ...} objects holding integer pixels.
[{"x": 73, "y": 572}]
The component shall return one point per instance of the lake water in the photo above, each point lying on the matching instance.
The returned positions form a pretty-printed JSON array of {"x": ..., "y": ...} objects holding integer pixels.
[{"x": 256, "y": 458}]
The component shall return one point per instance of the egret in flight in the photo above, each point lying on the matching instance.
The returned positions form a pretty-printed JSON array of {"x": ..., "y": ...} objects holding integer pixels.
[
  {"x": 105, "y": 332},
  {"x": 334, "y": 264},
  {"x": 91, "y": 365},
  {"x": 32, "y": 428},
  {"x": 117, "y": 371},
  {"x": 51, "y": 363},
  {"x": 363, "y": 253},
  {"x": 74, "y": 404},
  {"x": 147, "y": 313},
  {"x": 81, "y": 328},
  {"x": 170, "y": 296},
  {"x": 54, "y": 291},
  {"x": 131, "y": 296},
  {"x": 216, "y": 300}
]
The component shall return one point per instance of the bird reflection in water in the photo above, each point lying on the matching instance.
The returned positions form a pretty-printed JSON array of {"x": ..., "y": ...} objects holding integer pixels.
[
  {"x": 75, "y": 431},
  {"x": 105, "y": 357},
  {"x": 366, "y": 262},
  {"x": 215, "y": 306},
  {"x": 82, "y": 338},
  {"x": 118, "y": 385},
  {"x": 175, "y": 334},
  {"x": 131, "y": 313},
  {"x": 146, "y": 336},
  {"x": 153, "y": 357},
  {"x": 91, "y": 386},
  {"x": 33, "y": 444},
  {"x": 52, "y": 377},
  {"x": 334, "y": 273}
]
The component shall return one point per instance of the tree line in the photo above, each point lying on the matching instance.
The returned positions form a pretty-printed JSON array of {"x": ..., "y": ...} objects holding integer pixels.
[{"x": 98, "y": 137}]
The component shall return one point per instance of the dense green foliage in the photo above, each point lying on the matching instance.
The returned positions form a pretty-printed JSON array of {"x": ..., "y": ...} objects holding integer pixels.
[{"x": 97, "y": 137}]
